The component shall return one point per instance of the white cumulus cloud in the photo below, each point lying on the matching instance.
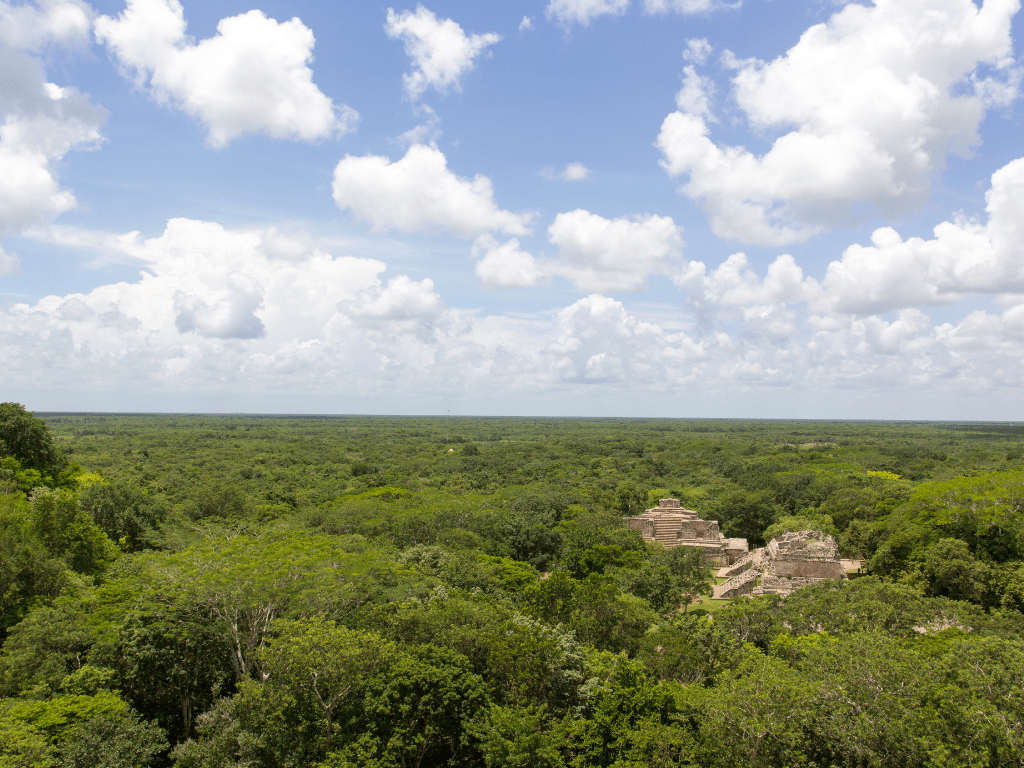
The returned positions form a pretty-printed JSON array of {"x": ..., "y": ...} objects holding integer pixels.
[
  {"x": 418, "y": 193},
  {"x": 599, "y": 254},
  {"x": 872, "y": 102},
  {"x": 30, "y": 27},
  {"x": 441, "y": 52},
  {"x": 213, "y": 305},
  {"x": 253, "y": 76},
  {"x": 505, "y": 265},
  {"x": 694, "y": 98},
  {"x": 698, "y": 50},
  {"x": 41, "y": 121},
  {"x": 597, "y": 340},
  {"x": 964, "y": 258},
  {"x": 568, "y": 12}
]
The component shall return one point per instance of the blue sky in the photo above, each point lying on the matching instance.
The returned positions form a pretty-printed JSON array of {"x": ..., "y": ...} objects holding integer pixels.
[{"x": 579, "y": 207}]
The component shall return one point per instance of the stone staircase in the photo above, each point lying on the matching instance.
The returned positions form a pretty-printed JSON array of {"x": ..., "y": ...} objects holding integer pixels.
[
  {"x": 743, "y": 564},
  {"x": 740, "y": 584},
  {"x": 666, "y": 529}
]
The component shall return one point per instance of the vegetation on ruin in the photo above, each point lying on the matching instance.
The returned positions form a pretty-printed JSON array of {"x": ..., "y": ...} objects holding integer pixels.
[{"x": 214, "y": 591}]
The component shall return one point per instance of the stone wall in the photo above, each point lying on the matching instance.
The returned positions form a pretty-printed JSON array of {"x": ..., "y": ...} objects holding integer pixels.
[
  {"x": 774, "y": 585},
  {"x": 808, "y": 569}
]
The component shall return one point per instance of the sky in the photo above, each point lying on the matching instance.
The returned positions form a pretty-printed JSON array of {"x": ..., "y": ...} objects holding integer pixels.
[{"x": 663, "y": 208}]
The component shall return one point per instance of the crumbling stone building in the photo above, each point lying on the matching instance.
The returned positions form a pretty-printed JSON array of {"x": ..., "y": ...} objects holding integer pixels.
[
  {"x": 795, "y": 559},
  {"x": 672, "y": 525}
]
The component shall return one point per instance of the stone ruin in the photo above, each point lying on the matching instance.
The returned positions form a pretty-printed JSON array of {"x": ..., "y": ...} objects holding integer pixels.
[
  {"x": 674, "y": 526},
  {"x": 794, "y": 560}
]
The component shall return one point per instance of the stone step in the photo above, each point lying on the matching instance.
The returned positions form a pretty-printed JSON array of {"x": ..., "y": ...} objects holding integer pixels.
[
  {"x": 741, "y": 565},
  {"x": 741, "y": 584}
]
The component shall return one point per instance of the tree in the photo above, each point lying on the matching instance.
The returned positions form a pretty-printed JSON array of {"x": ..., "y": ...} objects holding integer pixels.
[
  {"x": 654, "y": 583},
  {"x": 587, "y": 531},
  {"x": 1013, "y": 591},
  {"x": 322, "y": 665},
  {"x": 69, "y": 533},
  {"x": 43, "y": 649},
  {"x": 691, "y": 573},
  {"x": 630, "y": 498},
  {"x": 22, "y": 746},
  {"x": 758, "y": 714},
  {"x": 626, "y": 702},
  {"x": 28, "y": 440},
  {"x": 600, "y": 557},
  {"x": 29, "y": 572},
  {"x": 113, "y": 740},
  {"x": 124, "y": 512},
  {"x": 693, "y": 649},
  {"x": 170, "y": 665},
  {"x": 950, "y": 570},
  {"x": 518, "y": 737},
  {"x": 418, "y": 709},
  {"x": 747, "y": 514},
  {"x": 529, "y": 535}
]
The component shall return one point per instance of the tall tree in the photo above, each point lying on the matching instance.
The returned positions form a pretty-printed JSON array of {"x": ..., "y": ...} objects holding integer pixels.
[{"x": 28, "y": 439}]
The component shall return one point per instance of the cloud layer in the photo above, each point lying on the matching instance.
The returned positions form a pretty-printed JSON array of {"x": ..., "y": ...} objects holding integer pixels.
[
  {"x": 268, "y": 310},
  {"x": 862, "y": 111}
]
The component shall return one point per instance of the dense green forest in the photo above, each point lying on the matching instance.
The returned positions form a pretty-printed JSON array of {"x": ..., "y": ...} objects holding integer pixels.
[{"x": 263, "y": 591}]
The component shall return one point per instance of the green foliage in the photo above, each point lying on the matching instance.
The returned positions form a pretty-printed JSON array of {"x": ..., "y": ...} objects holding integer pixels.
[
  {"x": 950, "y": 570},
  {"x": 983, "y": 511},
  {"x": 23, "y": 746},
  {"x": 68, "y": 531},
  {"x": 28, "y": 440},
  {"x": 344, "y": 591},
  {"x": 747, "y": 514},
  {"x": 168, "y": 667},
  {"x": 127, "y": 514},
  {"x": 518, "y": 737},
  {"x": 417, "y": 711},
  {"x": 320, "y": 668},
  {"x": 528, "y": 529},
  {"x": 585, "y": 534},
  {"x": 30, "y": 573},
  {"x": 670, "y": 579},
  {"x": 617, "y": 720},
  {"x": 692, "y": 649},
  {"x": 630, "y": 498},
  {"x": 786, "y": 523},
  {"x": 56, "y": 718},
  {"x": 43, "y": 650},
  {"x": 691, "y": 573},
  {"x": 603, "y": 557},
  {"x": 113, "y": 740},
  {"x": 595, "y": 608}
]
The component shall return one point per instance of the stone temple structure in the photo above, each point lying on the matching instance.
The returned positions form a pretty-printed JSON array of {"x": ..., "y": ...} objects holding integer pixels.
[
  {"x": 674, "y": 526},
  {"x": 794, "y": 560}
]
